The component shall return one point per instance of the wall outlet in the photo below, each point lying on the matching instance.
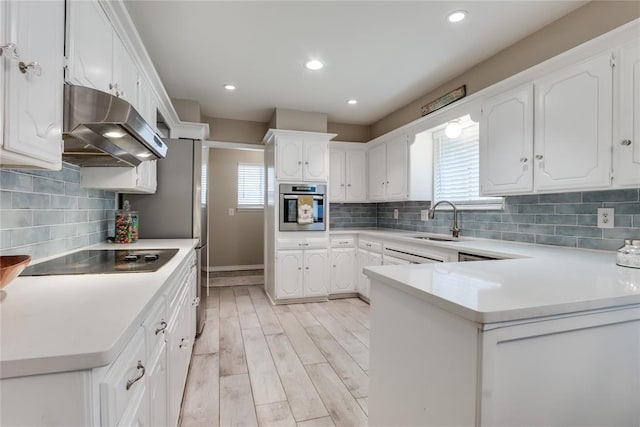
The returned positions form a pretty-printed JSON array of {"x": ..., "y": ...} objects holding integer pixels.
[
  {"x": 395, "y": 214},
  {"x": 424, "y": 215},
  {"x": 232, "y": 211},
  {"x": 605, "y": 217}
]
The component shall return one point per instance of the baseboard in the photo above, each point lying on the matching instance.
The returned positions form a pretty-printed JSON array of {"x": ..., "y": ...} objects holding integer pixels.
[
  {"x": 236, "y": 267},
  {"x": 344, "y": 295}
]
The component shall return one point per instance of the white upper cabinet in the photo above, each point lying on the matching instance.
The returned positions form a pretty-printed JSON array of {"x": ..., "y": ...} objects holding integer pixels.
[
  {"x": 97, "y": 57},
  {"x": 337, "y": 176},
  {"x": 125, "y": 73},
  {"x": 302, "y": 157},
  {"x": 397, "y": 165},
  {"x": 316, "y": 160},
  {"x": 89, "y": 46},
  {"x": 506, "y": 143},
  {"x": 356, "y": 174},
  {"x": 348, "y": 178},
  {"x": 626, "y": 142},
  {"x": 573, "y": 127},
  {"x": 378, "y": 172},
  {"x": 32, "y": 81}
]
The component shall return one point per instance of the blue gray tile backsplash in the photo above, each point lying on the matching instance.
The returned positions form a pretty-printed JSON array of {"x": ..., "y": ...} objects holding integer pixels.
[
  {"x": 563, "y": 219},
  {"x": 44, "y": 213}
]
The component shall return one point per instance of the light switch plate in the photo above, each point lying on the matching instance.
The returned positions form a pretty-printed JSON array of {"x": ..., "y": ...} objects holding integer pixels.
[
  {"x": 605, "y": 217},
  {"x": 424, "y": 215},
  {"x": 395, "y": 214},
  {"x": 232, "y": 211}
]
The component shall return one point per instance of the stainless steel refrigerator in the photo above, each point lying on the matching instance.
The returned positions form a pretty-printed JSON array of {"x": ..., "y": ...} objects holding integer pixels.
[{"x": 178, "y": 209}]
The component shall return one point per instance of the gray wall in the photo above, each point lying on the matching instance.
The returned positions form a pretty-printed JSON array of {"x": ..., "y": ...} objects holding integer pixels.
[
  {"x": 43, "y": 213},
  {"x": 188, "y": 110},
  {"x": 234, "y": 240},
  {"x": 583, "y": 24},
  {"x": 563, "y": 219},
  {"x": 229, "y": 130}
]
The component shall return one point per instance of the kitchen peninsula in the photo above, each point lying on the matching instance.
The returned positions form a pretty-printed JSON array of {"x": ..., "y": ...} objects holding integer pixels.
[{"x": 549, "y": 338}]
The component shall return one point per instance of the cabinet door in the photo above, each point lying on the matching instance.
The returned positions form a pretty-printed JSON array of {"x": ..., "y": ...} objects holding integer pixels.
[
  {"x": 342, "y": 270},
  {"x": 89, "y": 45},
  {"x": 316, "y": 161},
  {"x": 356, "y": 176},
  {"x": 377, "y": 172},
  {"x": 337, "y": 187},
  {"x": 289, "y": 159},
  {"x": 33, "y": 99},
  {"x": 397, "y": 164},
  {"x": 125, "y": 73},
  {"x": 506, "y": 143},
  {"x": 573, "y": 127},
  {"x": 157, "y": 389},
  {"x": 316, "y": 277},
  {"x": 363, "y": 280},
  {"x": 289, "y": 274},
  {"x": 626, "y": 144}
]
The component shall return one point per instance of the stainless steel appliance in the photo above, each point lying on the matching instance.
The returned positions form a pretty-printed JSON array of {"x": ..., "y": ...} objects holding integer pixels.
[
  {"x": 103, "y": 261},
  {"x": 178, "y": 209},
  {"x": 103, "y": 130},
  {"x": 289, "y": 194}
]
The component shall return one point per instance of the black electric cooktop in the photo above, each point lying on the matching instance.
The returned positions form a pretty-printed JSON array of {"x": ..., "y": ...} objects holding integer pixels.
[{"x": 103, "y": 261}]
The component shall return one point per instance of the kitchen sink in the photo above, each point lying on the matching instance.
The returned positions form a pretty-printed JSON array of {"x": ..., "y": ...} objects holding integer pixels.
[{"x": 437, "y": 239}]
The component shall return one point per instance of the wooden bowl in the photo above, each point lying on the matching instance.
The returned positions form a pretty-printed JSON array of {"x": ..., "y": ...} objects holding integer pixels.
[{"x": 11, "y": 266}]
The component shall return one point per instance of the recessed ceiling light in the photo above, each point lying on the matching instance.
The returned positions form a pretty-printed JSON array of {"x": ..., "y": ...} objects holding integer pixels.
[
  {"x": 229, "y": 87},
  {"x": 352, "y": 101},
  {"x": 457, "y": 16},
  {"x": 314, "y": 65},
  {"x": 113, "y": 134}
]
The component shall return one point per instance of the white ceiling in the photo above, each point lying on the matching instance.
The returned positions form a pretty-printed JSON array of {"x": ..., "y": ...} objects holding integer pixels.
[{"x": 383, "y": 53}]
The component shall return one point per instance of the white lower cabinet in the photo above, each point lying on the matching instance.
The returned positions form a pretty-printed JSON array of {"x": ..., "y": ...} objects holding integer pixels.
[
  {"x": 575, "y": 369},
  {"x": 143, "y": 386},
  {"x": 366, "y": 259},
  {"x": 342, "y": 272},
  {"x": 301, "y": 273}
]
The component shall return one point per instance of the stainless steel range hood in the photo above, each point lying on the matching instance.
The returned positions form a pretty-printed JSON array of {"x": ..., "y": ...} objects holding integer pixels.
[{"x": 103, "y": 130}]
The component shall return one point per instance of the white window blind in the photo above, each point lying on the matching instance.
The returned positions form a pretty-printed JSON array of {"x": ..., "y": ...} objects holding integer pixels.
[
  {"x": 456, "y": 166},
  {"x": 250, "y": 185}
]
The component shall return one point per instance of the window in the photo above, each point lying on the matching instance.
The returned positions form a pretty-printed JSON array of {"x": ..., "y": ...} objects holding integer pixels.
[
  {"x": 250, "y": 186},
  {"x": 456, "y": 166}
]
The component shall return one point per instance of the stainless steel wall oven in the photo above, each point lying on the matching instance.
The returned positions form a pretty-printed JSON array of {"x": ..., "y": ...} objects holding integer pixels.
[{"x": 290, "y": 194}]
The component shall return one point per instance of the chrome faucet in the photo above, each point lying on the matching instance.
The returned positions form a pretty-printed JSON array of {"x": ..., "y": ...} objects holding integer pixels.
[{"x": 455, "y": 231}]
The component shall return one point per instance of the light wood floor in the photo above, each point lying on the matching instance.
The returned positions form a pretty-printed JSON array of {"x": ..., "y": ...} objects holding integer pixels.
[{"x": 292, "y": 365}]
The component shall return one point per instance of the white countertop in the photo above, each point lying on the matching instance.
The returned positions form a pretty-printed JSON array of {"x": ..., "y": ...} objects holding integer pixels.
[
  {"x": 72, "y": 322},
  {"x": 539, "y": 281}
]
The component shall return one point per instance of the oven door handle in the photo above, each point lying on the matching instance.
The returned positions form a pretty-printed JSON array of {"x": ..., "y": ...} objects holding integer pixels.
[{"x": 294, "y": 197}]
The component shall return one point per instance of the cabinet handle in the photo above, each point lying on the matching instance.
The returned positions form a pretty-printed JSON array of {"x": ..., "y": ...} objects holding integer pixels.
[
  {"x": 306, "y": 268},
  {"x": 303, "y": 244},
  {"x": 196, "y": 302},
  {"x": 163, "y": 326},
  {"x": 348, "y": 185},
  {"x": 299, "y": 162},
  {"x": 111, "y": 86},
  {"x": 368, "y": 245},
  {"x": 539, "y": 157},
  {"x": 299, "y": 268},
  {"x": 10, "y": 50},
  {"x": 341, "y": 185},
  {"x": 334, "y": 266},
  {"x": 306, "y": 163},
  {"x": 184, "y": 342},
  {"x": 31, "y": 68},
  {"x": 625, "y": 142},
  {"x": 524, "y": 160},
  {"x": 132, "y": 381},
  {"x": 387, "y": 182}
]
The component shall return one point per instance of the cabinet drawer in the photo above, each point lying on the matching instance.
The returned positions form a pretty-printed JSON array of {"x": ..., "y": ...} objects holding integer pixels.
[
  {"x": 302, "y": 243},
  {"x": 175, "y": 292},
  {"x": 119, "y": 386},
  {"x": 342, "y": 242},
  {"x": 370, "y": 246},
  {"x": 155, "y": 326}
]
